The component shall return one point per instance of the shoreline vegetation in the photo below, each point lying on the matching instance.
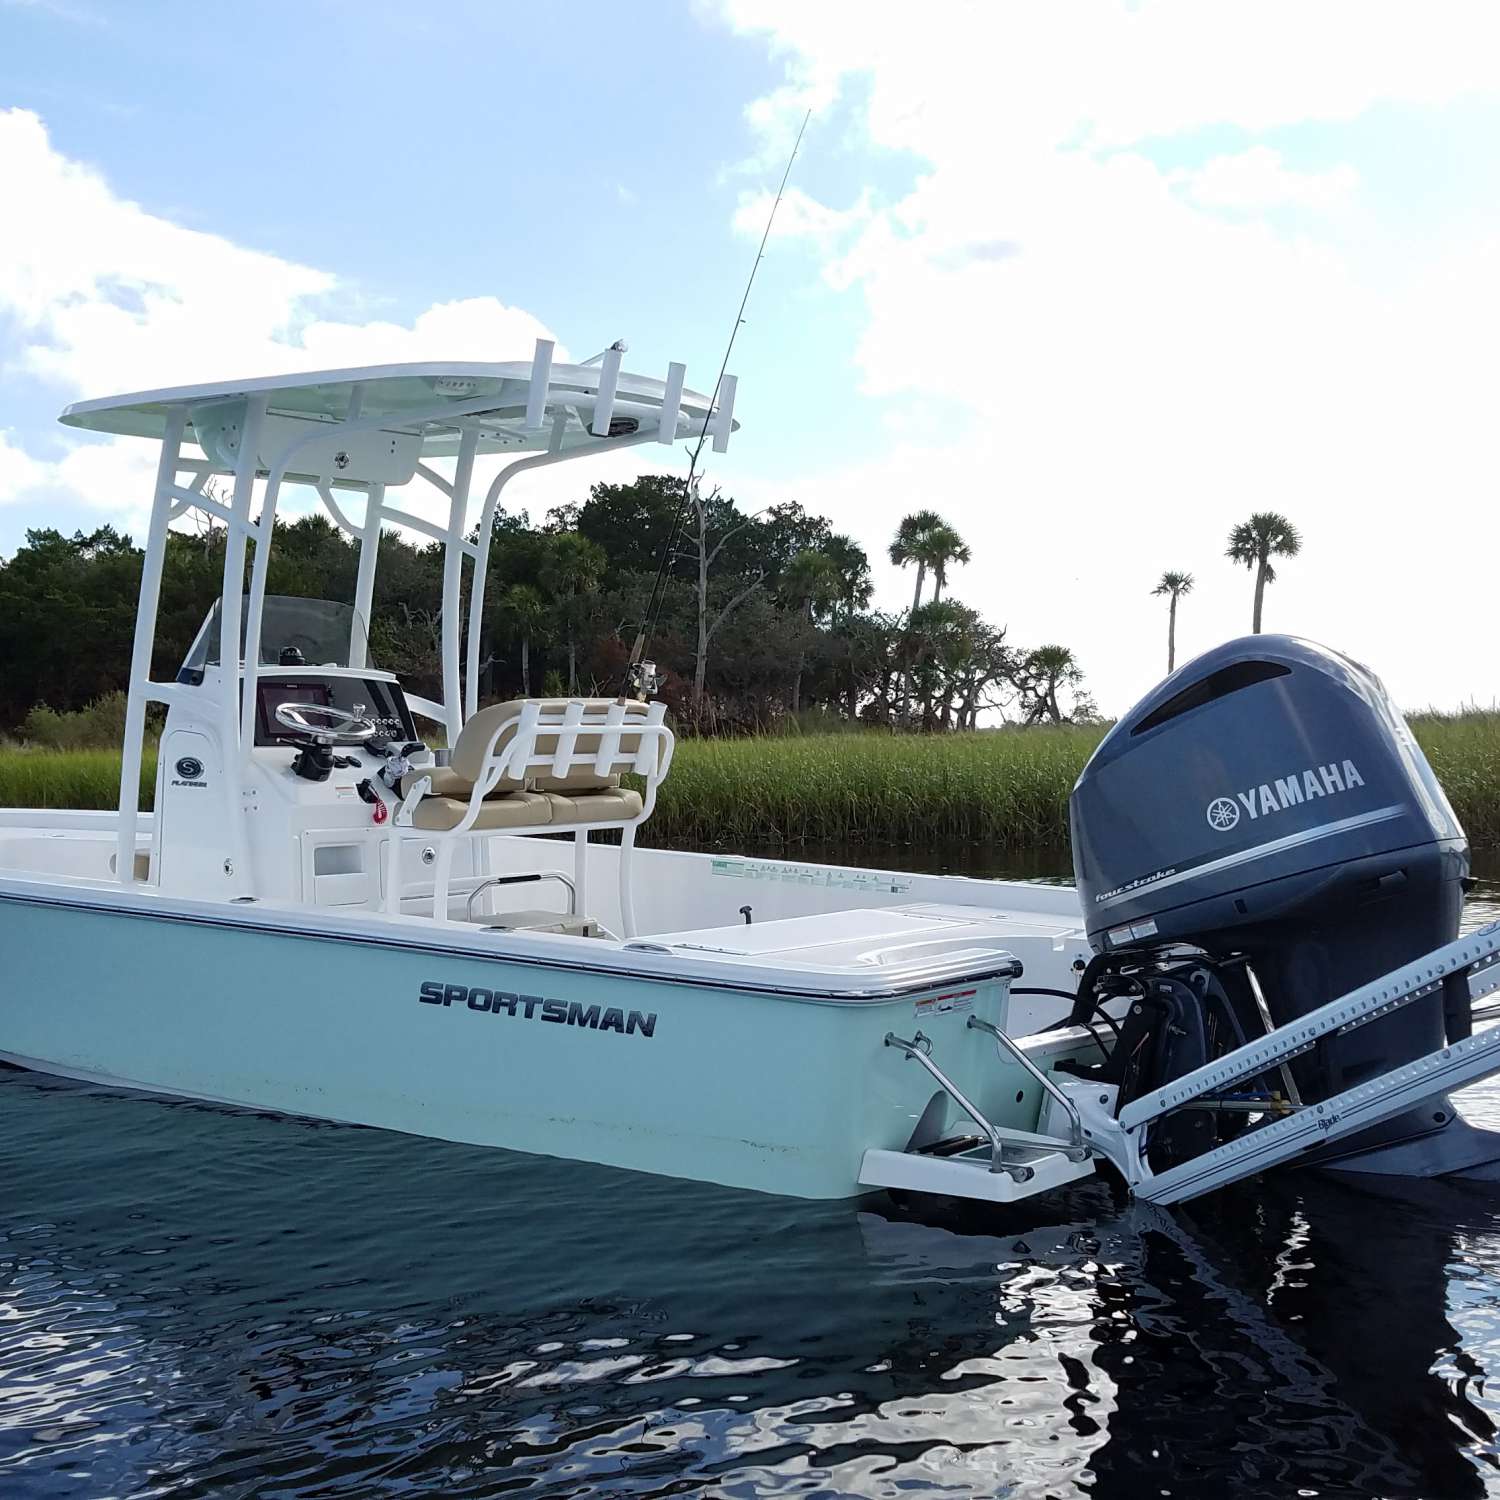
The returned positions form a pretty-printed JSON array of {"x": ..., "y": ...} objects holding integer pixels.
[
  {"x": 1006, "y": 789},
  {"x": 762, "y": 618}
]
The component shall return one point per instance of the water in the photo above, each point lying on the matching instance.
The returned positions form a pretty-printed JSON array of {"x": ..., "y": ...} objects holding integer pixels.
[{"x": 196, "y": 1301}]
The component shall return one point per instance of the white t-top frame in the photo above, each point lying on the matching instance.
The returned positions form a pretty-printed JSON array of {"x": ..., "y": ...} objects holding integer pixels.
[{"x": 363, "y": 431}]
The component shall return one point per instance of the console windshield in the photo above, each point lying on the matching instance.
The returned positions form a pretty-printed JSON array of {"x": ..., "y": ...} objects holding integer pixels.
[{"x": 293, "y": 633}]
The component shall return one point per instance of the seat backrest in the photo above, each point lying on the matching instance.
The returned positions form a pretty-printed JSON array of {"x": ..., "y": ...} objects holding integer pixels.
[
  {"x": 467, "y": 759},
  {"x": 588, "y": 777},
  {"x": 584, "y": 771}
]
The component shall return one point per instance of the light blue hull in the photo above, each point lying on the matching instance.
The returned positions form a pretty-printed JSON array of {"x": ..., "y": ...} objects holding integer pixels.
[{"x": 392, "y": 1026}]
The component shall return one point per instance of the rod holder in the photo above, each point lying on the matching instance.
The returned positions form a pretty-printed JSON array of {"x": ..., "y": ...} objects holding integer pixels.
[
  {"x": 671, "y": 403},
  {"x": 723, "y": 419},
  {"x": 541, "y": 374},
  {"x": 609, "y": 378}
]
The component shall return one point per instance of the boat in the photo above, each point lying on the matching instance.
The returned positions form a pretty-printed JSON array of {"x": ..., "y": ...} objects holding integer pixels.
[{"x": 327, "y": 915}]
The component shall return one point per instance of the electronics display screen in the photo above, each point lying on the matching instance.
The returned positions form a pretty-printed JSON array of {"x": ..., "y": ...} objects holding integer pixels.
[{"x": 382, "y": 702}]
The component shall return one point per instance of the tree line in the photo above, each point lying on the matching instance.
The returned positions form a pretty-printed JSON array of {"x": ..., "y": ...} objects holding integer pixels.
[{"x": 761, "y": 618}]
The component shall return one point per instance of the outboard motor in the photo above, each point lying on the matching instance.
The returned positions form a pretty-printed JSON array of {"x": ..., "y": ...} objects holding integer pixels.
[{"x": 1260, "y": 835}]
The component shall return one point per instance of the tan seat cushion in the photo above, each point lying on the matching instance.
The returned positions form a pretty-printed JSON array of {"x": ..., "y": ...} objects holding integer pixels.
[
  {"x": 518, "y": 810},
  {"x": 468, "y": 757},
  {"x": 499, "y": 720},
  {"x": 602, "y": 805},
  {"x": 467, "y": 760},
  {"x": 585, "y": 777},
  {"x": 446, "y": 782}
]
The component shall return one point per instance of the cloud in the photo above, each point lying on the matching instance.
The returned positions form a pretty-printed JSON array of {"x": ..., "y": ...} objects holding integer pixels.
[
  {"x": 1112, "y": 72},
  {"x": 19, "y": 471},
  {"x": 798, "y": 217},
  {"x": 113, "y": 477},
  {"x": 777, "y": 118},
  {"x": 1260, "y": 179},
  {"x": 1128, "y": 359},
  {"x": 477, "y": 328},
  {"x": 102, "y": 291},
  {"x": 106, "y": 296},
  {"x": 98, "y": 296}
]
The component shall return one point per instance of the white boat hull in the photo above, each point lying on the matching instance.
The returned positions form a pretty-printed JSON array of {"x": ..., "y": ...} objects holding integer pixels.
[{"x": 702, "y": 1069}]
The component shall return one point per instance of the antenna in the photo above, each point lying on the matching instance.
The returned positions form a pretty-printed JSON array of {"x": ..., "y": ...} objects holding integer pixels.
[{"x": 720, "y": 427}]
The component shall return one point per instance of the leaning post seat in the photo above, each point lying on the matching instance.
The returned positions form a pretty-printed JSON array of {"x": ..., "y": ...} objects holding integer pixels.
[{"x": 537, "y": 765}]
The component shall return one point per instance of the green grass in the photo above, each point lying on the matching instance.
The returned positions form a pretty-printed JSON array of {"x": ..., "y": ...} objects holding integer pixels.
[
  {"x": 1464, "y": 751},
  {"x": 1007, "y": 789},
  {"x": 32, "y": 777}
]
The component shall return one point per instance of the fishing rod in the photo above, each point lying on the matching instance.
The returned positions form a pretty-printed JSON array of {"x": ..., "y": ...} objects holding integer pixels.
[{"x": 634, "y": 675}]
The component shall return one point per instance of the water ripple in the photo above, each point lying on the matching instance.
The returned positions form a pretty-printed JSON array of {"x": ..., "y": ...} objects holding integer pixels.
[{"x": 197, "y": 1301}]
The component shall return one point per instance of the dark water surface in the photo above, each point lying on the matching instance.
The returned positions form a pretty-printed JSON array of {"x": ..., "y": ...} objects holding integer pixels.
[{"x": 196, "y": 1301}]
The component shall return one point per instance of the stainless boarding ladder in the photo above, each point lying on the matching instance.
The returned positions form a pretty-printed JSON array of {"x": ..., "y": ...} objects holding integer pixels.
[{"x": 1015, "y": 1164}]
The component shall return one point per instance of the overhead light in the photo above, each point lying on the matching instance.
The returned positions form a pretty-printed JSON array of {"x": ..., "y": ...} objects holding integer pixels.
[{"x": 454, "y": 385}]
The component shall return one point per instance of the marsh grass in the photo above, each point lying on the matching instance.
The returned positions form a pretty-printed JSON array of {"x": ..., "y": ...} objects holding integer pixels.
[
  {"x": 1464, "y": 752},
  {"x": 33, "y": 777},
  {"x": 1007, "y": 789}
]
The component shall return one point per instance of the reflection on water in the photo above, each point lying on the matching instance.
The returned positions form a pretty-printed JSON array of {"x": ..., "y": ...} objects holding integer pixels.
[{"x": 196, "y": 1301}]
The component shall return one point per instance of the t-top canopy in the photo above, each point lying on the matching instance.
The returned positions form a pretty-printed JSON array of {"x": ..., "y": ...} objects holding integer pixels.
[
  {"x": 365, "y": 429},
  {"x": 514, "y": 407}
]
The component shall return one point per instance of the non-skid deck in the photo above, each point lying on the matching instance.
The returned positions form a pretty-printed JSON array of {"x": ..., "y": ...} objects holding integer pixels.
[{"x": 883, "y": 941}]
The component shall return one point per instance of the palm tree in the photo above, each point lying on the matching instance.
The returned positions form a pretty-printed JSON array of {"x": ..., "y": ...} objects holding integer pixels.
[
  {"x": 855, "y": 588},
  {"x": 941, "y": 637},
  {"x": 908, "y": 546},
  {"x": 1175, "y": 585},
  {"x": 1255, "y": 542},
  {"x": 1044, "y": 671},
  {"x": 526, "y": 610},
  {"x": 572, "y": 567},
  {"x": 811, "y": 582},
  {"x": 854, "y": 591},
  {"x": 943, "y": 545},
  {"x": 926, "y": 539}
]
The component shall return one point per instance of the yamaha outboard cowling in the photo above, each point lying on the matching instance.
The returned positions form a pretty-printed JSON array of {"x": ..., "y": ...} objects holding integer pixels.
[{"x": 1267, "y": 811}]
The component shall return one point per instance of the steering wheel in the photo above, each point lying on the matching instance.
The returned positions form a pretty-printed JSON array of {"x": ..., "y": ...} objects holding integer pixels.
[{"x": 323, "y": 723}]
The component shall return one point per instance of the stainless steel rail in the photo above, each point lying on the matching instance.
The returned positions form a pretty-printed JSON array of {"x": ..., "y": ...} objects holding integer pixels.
[
  {"x": 920, "y": 1048},
  {"x": 1078, "y": 1150},
  {"x": 485, "y": 884}
]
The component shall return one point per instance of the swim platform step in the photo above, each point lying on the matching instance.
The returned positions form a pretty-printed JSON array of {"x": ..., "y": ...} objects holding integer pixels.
[{"x": 1030, "y": 1170}]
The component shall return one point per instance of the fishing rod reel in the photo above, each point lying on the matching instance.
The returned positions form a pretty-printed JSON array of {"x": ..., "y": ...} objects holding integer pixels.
[{"x": 643, "y": 680}]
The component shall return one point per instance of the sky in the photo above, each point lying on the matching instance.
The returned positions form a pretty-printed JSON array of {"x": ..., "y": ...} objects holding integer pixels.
[{"x": 1094, "y": 280}]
